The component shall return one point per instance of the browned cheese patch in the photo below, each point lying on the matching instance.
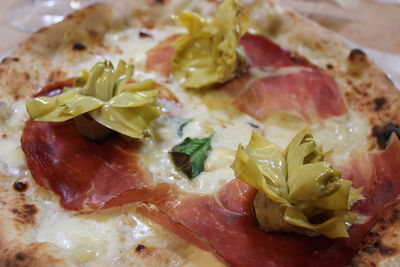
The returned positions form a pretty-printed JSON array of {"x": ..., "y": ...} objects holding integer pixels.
[{"x": 27, "y": 255}]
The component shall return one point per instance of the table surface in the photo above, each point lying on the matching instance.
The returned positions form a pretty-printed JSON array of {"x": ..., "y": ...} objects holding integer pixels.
[{"x": 369, "y": 23}]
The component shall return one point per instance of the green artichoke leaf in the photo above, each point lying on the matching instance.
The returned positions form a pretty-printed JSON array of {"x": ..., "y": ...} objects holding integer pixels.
[
  {"x": 131, "y": 122},
  {"x": 303, "y": 149},
  {"x": 136, "y": 99},
  {"x": 309, "y": 193},
  {"x": 310, "y": 182},
  {"x": 107, "y": 95},
  {"x": 67, "y": 106},
  {"x": 334, "y": 227},
  {"x": 209, "y": 53},
  {"x": 262, "y": 165}
]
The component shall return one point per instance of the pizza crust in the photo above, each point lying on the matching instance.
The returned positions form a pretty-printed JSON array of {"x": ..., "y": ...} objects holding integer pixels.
[{"x": 38, "y": 61}]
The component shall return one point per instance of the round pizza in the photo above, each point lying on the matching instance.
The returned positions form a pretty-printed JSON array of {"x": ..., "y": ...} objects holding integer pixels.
[{"x": 196, "y": 133}]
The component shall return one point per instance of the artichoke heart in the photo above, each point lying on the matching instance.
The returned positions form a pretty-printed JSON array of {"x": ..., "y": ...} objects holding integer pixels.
[
  {"x": 103, "y": 95},
  {"x": 209, "y": 53},
  {"x": 298, "y": 191}
]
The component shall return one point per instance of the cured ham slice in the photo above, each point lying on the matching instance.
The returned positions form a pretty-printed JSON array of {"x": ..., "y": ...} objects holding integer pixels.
[
  {"x": 280, "y": 81},
  {"x": 85, "y": 174},
  {"x": 310, "y": 94},
  {"x": 262, "y": 52},
  {"x": 378, "y": 174},
  {"x": 159, "y": 58}
]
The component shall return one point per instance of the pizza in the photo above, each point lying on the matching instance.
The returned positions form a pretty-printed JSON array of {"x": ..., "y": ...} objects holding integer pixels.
[{"x": 196, "y": 133}]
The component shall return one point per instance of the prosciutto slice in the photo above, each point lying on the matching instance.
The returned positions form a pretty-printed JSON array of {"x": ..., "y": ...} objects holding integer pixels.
[
  {"x": 159, "y": 58},
  {"x": 84, "y": 173}
]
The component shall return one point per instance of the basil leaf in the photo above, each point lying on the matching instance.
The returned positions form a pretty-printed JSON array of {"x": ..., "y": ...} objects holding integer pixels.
[
  {"x": 190, "y": 155},
  {"x": 180, "y": 130}
]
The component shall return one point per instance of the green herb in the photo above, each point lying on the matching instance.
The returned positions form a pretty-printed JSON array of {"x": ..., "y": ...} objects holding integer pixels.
[
  {"x": 180, "y": 130},
  {"x": 190, "y": 155}
]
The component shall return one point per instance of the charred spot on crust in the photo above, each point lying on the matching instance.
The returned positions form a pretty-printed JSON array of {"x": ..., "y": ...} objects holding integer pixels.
[
  {"x": 384, "y": 250},
  {"x": 20, "y": 186},
  {"x": 379, "y": 102},
  {"x": 383, "y": 134},
  {"x": 26, "y": 214},
  {"x": 140, "y": 248},
  {"x": 144, "y": 34},
  {"x": 357, "y": 55},
  {"x": 160, "y": 1},
  {"x": 30, "y": 209},
  {"x": 20, "y": 256},
  {"x": 4, "y": 60},
  {"x": 79, "y": 47},
  {"x": 374, "y": 234},
  {"x": 368, "y": 250},
  {"x": 375, "y": 246},
  {"x": 329, "y": 66},
  {"x": 357, "y": 61}
]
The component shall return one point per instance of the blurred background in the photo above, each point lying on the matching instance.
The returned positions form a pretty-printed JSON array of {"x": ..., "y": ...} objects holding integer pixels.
[{"x": 370, "y": 23}]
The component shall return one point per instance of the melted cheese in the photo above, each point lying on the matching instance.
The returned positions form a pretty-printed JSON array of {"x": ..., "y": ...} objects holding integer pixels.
[{"x": 110, "y": 237}]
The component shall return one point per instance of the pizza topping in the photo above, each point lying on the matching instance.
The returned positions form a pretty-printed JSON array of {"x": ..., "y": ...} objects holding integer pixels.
[
  {"x": 103, "y": 95},
  {"x": 85, "y": 174},
  {"x": 159, "y": 58},
  {"x": 300, "y": 192},
  {"x": 279, "y": 81},
  {"x": 210, "y": 53},
  {"x": 190, "y": 155}
]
